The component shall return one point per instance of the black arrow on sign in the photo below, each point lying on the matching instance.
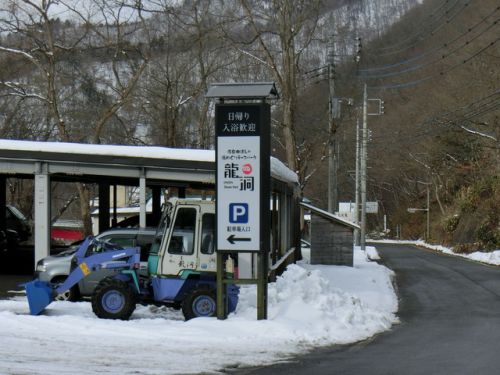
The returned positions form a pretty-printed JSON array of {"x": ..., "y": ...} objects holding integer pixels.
[{"x": 233, "y": 239}]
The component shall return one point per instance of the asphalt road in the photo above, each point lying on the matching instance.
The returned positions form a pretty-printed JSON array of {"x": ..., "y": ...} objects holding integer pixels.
[{"x": 450, "y": 323}]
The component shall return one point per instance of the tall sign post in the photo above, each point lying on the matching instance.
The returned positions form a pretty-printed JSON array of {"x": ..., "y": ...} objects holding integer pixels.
[{"x": 242, "y": 141}]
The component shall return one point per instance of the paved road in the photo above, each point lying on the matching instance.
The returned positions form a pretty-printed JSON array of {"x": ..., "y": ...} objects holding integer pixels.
[{"x": 450, "y": 323}]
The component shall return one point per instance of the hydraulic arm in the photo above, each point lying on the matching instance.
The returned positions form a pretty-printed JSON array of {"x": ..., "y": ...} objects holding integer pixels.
[{"x": 91, "y": 256}]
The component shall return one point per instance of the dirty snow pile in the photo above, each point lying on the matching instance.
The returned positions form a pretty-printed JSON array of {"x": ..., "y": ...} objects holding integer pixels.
[
  {"x": 308, "y": 306},
  {"x": 488, "y": 257}
]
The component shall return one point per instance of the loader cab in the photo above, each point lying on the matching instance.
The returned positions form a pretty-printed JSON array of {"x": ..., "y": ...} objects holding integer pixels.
[{"x": 189, "y": 244}]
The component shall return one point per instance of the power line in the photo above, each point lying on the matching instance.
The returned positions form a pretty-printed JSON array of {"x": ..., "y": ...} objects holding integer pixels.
[
  {"x": 429, "y": 63},
  {"x": 447, "y": 120},
  {"x": 426, "y": 53},
  {"x": 432, "y": 33},
  {"x": 429, "y": 20},
  {"x": 441, "y": 73}
]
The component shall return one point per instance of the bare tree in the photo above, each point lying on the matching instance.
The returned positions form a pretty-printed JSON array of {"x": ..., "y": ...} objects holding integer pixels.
[
  {"x": 58, "y": 74},
  {"x": 276, "y": 35}
]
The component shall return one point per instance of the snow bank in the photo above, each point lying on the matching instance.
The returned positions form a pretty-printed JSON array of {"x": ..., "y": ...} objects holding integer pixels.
[
  {"x": 308, "y": 306},
  {"x": 492, "y": 257}
]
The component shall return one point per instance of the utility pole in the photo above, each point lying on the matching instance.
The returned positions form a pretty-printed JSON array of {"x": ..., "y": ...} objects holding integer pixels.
[
  {"x": 364, "y": 157},
  {"x": 332, "y": 132},
  {"x": 356, "y": 195},
  {"x": 359, "y": 151}
]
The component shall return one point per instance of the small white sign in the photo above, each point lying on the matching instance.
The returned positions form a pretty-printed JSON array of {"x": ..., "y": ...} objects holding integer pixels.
[
  {"x": 238, "y": 193},
  {"x": 371, "y": 207}
]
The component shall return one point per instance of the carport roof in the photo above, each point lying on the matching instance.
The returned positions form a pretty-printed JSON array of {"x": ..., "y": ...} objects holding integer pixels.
[
  {"x": 181, "y": 160},
  {"x": 105, "y": 154}
]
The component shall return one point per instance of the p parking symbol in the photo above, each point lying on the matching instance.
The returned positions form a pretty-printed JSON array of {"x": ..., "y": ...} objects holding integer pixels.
[{"x": 238, "y": 213}]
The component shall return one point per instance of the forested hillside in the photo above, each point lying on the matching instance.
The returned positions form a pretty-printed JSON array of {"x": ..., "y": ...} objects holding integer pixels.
[
  {"x": 438, "y": 72},
  {"x": 135, "y": 72}
]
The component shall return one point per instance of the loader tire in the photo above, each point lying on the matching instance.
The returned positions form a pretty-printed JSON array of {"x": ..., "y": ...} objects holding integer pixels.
[
  {"x": 71, "y": 295},
  {"x": 201, "y": 302},
  {"x": 113, "y": 299}
]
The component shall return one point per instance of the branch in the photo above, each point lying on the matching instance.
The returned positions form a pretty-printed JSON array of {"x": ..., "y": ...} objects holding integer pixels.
[
  {"x": 125, "y": 94},
  {"x": 255, "y": 57},
  {"x": 22, "y": 53},
  {"x": 419, "y": 161},
  {"x": 479, "y": 133},
  {"x": 21, "y": 91},
  {"x": 267, "y": 52}
]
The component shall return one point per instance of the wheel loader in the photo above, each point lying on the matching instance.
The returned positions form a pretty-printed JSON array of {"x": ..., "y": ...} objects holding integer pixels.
[{"x": 181, "y": 269}]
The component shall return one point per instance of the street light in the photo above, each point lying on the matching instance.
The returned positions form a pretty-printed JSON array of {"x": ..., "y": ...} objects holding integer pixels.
[{"x": 414, "y": 210}]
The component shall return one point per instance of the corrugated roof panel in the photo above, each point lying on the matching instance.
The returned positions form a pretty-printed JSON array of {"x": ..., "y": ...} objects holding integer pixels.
[{"x": 247, "y": 90}]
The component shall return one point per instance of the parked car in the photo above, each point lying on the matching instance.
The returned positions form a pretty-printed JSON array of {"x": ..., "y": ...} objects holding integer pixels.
[
  {"x": 15, "y": 220},
  {"x": 56, "y": 268}
]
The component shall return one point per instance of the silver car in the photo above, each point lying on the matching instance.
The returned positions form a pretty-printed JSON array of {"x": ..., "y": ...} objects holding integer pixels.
[{"x": 56, "y": 268}]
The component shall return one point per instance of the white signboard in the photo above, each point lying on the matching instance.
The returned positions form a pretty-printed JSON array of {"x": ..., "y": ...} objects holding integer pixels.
[
  {"x": 238, "y": 193},
  {"x": 241, "y": 164},
  {"x": 371, "y": 207}
]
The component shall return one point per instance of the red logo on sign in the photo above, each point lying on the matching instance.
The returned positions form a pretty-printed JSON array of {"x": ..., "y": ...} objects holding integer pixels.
[{"x": 247, "y": 169}]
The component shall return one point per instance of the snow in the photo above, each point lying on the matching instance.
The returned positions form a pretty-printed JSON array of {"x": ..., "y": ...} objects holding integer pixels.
[
  {"x": 109, "y": 150},
  {"x": 488, "y": 257},
  {"x": 309, "y": 306},
  {"x": 329, "y": 215}
]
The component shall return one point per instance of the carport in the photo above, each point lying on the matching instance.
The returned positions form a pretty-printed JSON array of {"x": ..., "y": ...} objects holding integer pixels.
[{"x": 104, "y": 165}]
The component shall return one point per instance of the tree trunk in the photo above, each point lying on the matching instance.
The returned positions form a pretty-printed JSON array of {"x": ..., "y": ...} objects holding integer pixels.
[{"x": 84, "y": 194}]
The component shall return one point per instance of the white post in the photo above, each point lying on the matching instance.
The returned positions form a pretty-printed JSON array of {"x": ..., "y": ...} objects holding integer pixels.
[
  {"x": 142, "y": 201},
  {"x": 42, "y": 212}
]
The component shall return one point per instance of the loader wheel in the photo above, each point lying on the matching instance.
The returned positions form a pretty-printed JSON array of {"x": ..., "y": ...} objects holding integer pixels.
[
  {"x": 72, "y": 294},
  {"x": 113, "y": 299},
  {"x": 201, "y": 302}
]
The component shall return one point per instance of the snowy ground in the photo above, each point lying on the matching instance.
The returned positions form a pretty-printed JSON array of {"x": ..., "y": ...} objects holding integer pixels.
[
  {"x": 492, "y": 257},
  {"x": 309, "y": 306}
]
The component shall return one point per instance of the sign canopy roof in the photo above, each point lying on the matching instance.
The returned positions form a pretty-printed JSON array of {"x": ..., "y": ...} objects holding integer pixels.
[{"x": 243, "y": 90}]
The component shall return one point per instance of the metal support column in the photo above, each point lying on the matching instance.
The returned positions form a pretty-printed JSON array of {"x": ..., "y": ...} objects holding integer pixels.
[
  {"x": 114, "y": 220},
  {"x": 262, "y": 270},
  {"x": 221, "y": 268},
  {"x": 142, "y": 200},
  {"x": 42, "y": 211}
]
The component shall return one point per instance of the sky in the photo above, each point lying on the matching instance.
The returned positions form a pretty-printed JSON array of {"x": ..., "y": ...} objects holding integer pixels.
[
  {"x": 309, "y": 306},
  {"x": 79, "y": 10}
]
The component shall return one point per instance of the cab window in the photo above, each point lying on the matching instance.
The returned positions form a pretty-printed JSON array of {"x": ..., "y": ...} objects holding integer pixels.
[
  {"x": 207, "y": 233},
  {"x": 182, "y": 239}
]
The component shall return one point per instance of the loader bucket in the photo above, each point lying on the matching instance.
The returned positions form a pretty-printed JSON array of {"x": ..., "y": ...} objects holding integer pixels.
[{"x": 39, "y": 294}]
